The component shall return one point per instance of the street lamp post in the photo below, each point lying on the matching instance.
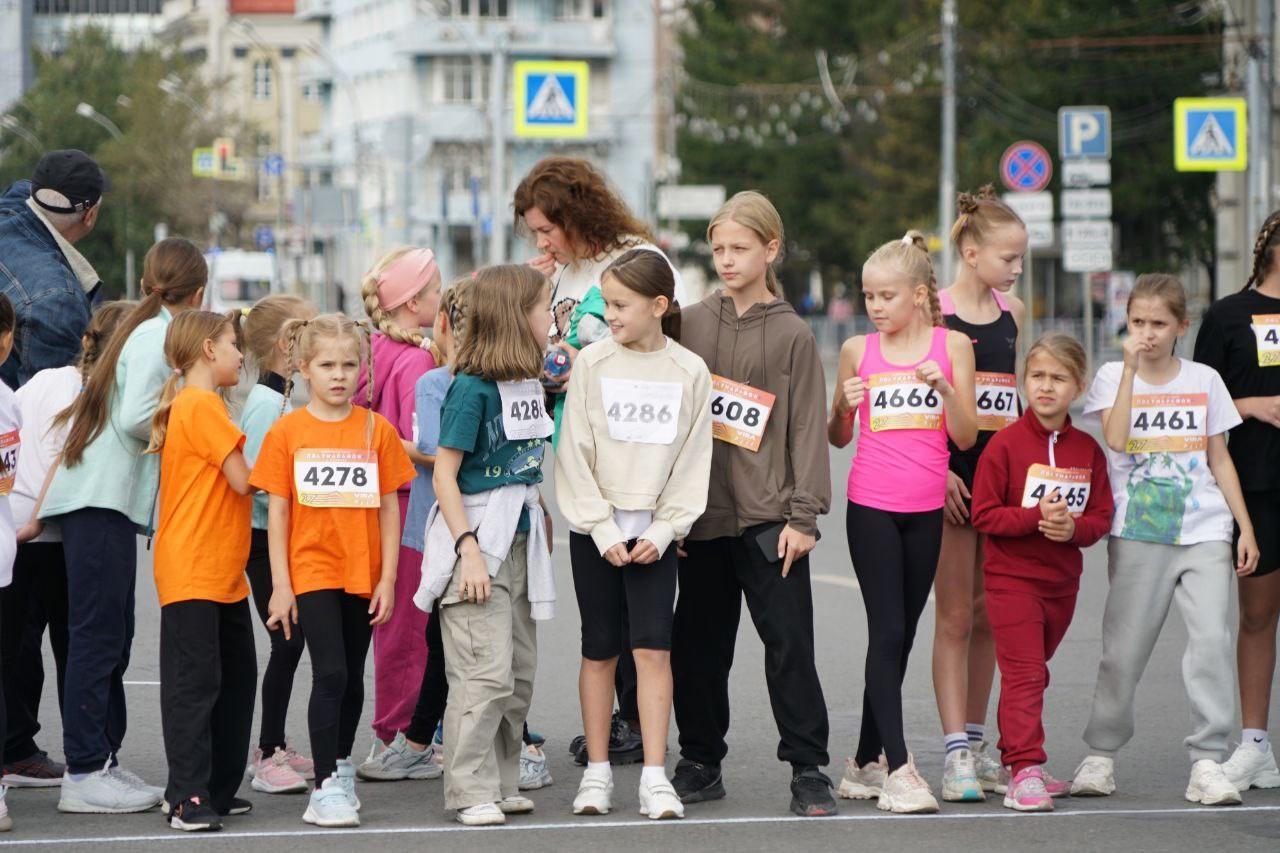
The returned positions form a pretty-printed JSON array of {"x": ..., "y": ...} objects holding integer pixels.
[{"x": 86, "y": 111}]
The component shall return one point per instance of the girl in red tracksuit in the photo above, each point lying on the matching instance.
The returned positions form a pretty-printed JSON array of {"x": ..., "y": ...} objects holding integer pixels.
[{"x": 1041, "y": 494}]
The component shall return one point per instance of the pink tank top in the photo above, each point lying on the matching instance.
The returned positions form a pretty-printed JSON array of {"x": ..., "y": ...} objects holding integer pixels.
[{"x": 900, "y": 464}]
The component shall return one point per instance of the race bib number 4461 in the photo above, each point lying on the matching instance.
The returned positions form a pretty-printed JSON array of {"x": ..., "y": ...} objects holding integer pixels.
[
  {"x": 337, "y": 478},
  {"x": 739, "y": 413},
  {"x": 902, "y": 401},
  {"x": 1266, "y": 329},
  {"x": 1072, "y": 484},
  {"x": 1168, "y": 423}
]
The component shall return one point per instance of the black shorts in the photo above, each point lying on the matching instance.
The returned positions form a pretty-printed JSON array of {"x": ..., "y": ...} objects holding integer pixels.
[
  {"x": 1264, "y": 512},
  {"x": 609, "y": 596}
]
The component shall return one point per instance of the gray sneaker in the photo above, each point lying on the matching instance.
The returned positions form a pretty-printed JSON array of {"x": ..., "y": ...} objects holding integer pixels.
[
  {"x": 533, "y": 768},
  {"x": 106, "y": 792},
  {"x": 400, "y": 761}
]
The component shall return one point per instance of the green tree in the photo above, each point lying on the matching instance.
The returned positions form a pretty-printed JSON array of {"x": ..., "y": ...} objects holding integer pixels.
[{"x": 149, "y": 167}]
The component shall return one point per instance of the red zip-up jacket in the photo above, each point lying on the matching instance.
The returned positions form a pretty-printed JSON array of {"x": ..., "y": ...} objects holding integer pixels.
[{"x": 1018, "y": 557}]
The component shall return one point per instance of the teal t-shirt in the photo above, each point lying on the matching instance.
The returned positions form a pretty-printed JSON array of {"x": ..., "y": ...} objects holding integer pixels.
[
  {"x": 471, "y": 421},
  {"x": 592, "y": 303}
]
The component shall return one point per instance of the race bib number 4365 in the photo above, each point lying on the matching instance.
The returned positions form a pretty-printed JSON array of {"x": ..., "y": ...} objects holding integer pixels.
[
  {"x": 1266, "y": 329},
  {"x": 337, "y": 478},
  {"x": 1072, "y": 484},
  {"x": 739, "y": 413},
  {"x": 902, "y": 401},
  {"x": 1168, "y": 423}
]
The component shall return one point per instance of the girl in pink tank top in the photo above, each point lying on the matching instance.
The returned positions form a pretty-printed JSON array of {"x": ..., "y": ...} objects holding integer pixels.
[{"x": 910, "y": 386}]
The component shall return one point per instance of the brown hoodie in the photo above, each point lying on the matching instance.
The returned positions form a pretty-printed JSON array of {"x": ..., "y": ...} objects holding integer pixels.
[{"x": 789, "y": 478}]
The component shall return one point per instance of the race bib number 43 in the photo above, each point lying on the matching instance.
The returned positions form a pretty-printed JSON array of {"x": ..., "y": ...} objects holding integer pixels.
[
  {"x": 524, "y": 411},
  {"x": 1168, "y": 423},
  {"x": 739, "y": 413},
  {"x": 902, "y": 401},
  {"x": 1266, "y": 329},
  {"x": 997, "y": 400},
  {"x": 9, "y": 444},
  {"x": 643, "y": 412},
  {"x": 337, "y": 478},
  {"x": 1072, "y": 484}
]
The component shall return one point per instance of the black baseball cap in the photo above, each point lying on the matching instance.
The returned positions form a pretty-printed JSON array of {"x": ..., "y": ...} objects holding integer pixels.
[{"x": 72, "y": 173}]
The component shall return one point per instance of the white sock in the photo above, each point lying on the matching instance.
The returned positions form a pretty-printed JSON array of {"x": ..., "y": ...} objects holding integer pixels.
[
  {"x": 600, "y": 767},
  {"x": 1257, "y": 738},
  {"x": 954, "y": 741},
  {"x": 653, "y": 776},
  {"x": 977, "y": 733}
]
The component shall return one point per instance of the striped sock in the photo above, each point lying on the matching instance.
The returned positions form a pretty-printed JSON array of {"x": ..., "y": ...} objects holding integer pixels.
[
  {"x": 977, "y": 733},
  {"x": 955, "y": 741}
]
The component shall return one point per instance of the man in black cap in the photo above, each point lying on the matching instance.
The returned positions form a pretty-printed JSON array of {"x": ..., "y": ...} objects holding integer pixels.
[{"x": 50, "y": 284}]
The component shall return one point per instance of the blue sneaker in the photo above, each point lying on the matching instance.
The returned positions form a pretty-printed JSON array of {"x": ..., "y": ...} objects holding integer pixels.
[{"x": 330, "y": 806}]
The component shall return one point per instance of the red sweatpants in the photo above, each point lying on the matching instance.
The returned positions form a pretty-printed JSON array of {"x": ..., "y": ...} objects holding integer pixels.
[{"x": 1027, "y": 631}]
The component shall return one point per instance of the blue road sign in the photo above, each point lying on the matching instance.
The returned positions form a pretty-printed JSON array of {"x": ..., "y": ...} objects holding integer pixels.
[
  {"x": 273, "y": 164},
  {"x": 1210, "y": 135},
  {"x": 1026, "y": 167},
  {"x": 1084, "y": 133},
  {"x": 550, "y": 99},
  {"x": 264, "y": 237}
]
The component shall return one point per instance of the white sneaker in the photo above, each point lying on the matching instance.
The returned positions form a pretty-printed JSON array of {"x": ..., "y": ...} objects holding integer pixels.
[
  {"x": 960, "y": 778},
  {"x": 105, "y": 792},
  {"x": 534, "y": 772},
  {"x": 594, "y": 793},
  {"x": 346, "y": 776},
  {"x": 485, "y": 814},
  {"x": 1095, "y": 777},
  {"x": 992, "y": 775},
  {"x": 906, "y": 792},
  {"x": 6, "y": 822},
  {"x": 515, "y": 805},
  {"x": 399, "y": 761},
  {"x": 329, "y": 806},
  {"x": 1210, "y": 786},
  {"x": 659, "y": 801},
  {"x": 862, "y": 783},
  {"x": 135, "y": 780},
  {"x": 1250, "y": 767}
]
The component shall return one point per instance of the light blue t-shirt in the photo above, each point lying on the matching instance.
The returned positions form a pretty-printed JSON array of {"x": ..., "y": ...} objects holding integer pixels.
[
  {"x": 262, "y": 408},
  {"x": 428, "y": 400}
]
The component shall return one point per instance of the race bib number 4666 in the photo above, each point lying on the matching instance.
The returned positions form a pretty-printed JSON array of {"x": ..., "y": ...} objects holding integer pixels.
[
  {"x": 337, "y": 478},
  {"x": 902, "y": 401},
  {"x": 1266, "y": 329},
  {"x": 739, "y": 413},
  {"x": 1168, "y": 423},
  {"x": 1072, "y": 484}
]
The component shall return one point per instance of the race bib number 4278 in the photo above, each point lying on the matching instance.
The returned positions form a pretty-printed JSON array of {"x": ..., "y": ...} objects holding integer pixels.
[
  {"x": 902, "y": 401},
  {"x": 337, "y": 478}
]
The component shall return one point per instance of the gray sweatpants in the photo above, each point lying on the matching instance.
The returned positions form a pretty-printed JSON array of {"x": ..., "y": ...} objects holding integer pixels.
[{"x": 1145, "y": 578}]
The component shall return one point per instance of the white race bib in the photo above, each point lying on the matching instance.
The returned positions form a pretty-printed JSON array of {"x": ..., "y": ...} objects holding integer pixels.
[
  {"x": 997, "y": 400},
  {"x": 902, "y": 401},
  {"x": 1072, "y": 483},
  {"x": 337, "y": 478},
  {"x": 524, "y": 410},
  {"x": 1168, "y": 423},
  {"x": 9, "y": 445},
  {"x": 739, "y": 413},
  {"x": 639, "y": 411},
  {"x": 1266, "y": 329}
]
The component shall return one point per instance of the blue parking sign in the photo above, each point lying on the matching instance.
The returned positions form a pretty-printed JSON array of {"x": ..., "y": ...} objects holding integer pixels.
[{"x": 1084, "y": 133}]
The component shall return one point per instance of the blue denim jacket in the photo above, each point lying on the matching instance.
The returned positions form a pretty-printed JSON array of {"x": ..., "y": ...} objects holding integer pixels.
[
  {"x": 52, "y": 306},
  {"x": 428, "y": 400}
]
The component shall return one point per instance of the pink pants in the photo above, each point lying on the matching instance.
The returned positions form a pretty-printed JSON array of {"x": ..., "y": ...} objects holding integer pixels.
[{"x": 399, "y": 648}]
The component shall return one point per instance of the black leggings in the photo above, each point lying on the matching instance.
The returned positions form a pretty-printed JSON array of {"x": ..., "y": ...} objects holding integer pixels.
[
  {"x": 895, "y": 555},
  {"x": 338, "y": 632},
  {"x": 277, "y": 679},
  {"x": 641, "y": 597}
]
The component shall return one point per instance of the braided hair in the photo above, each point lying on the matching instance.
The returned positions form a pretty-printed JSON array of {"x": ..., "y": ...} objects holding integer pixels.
[{"x": 1264, "y": 250}]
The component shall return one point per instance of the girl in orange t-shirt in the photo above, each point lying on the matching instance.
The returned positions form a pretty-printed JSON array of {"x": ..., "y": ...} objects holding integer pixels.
[
  {"x": 332, "y": 470},
  {"x": 208, "y": 669}
]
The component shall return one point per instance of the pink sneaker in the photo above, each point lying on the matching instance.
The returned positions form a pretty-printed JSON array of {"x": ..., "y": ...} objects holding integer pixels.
[
  {"x": 302, "y": 765},
  {"x": 273, "y": 775},
  {"x": 1027, "y": 792},
  {"x": 1055, "y": 787}
]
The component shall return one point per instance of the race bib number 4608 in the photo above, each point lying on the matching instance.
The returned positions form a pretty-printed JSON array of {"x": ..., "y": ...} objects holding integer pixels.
[
  {"x": 1168, "y": 423},
  {"x": 1072, "y": 484},
  {"x": 524, "y": 411},
  {"x": 739, "y": 413},
  {"x": 337, "y": 478},
  {"x": 902, "y": 401},
  {"x": 1266, "y": 330}
]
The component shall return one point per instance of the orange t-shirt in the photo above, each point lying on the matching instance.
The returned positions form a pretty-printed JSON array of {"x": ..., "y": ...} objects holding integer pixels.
[
  {"x": 202, "y": 541},
  {"x": 331, "y": 547}
]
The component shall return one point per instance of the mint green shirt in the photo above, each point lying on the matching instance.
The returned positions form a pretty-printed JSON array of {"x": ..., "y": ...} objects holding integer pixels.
[
  {"x": 115, "y": 471},
  {"x": 262, "y": 409}
]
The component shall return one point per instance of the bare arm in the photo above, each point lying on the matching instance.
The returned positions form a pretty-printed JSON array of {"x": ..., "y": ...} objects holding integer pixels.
[
  {"x": 236, "y": 469},
  {"x": 283, "y": 607},
  {"x": 34, "y": 526},
  {"x": 848, "y": 394},
  {"x": 961, "y": 405},
  {"x": 474, "y": 584},
  {"x": 1224, "y": 471}
]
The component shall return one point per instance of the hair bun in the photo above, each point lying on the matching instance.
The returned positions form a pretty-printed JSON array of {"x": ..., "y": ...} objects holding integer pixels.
[
  {"x": 986, "y": 192},
  {"x": 916, "y": 238},
  {"x": 966, "y": 204}
]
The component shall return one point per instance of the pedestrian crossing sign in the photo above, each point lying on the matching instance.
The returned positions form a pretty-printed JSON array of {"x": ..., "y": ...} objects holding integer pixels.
[
  {"x": 1210, "y": 135},
  {"x": 550, "y": 99}
]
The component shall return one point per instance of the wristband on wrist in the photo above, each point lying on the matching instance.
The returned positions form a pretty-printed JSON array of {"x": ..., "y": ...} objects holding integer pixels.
[{"x": 457, "y": 543}]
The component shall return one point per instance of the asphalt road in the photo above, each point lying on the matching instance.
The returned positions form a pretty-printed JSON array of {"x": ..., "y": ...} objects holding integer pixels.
[{"x": 1148, "y": 812}]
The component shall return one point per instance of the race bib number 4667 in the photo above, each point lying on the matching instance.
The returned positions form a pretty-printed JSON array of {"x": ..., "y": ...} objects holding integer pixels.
[
  {"x": 1266, "y": 329},
  {"x": 902, "y": 401},
  {"x": 1168, "y": 423},
  {"x": 337, "y": 478},
  {"x": 1071, "y": 483},
  {"x": 997, "y": 400}
]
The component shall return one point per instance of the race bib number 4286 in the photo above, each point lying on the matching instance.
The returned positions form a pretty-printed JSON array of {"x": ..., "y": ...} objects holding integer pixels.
[
  {"x": 524, "y": 413},
  {"x": 337, "y": 478},
  {"x": 902, "y": 401}
]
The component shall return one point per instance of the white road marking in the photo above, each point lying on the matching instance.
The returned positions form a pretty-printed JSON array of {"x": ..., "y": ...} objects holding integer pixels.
[
  {"x": 142, "y": 683},
  {"x": 587, "y": 825}
]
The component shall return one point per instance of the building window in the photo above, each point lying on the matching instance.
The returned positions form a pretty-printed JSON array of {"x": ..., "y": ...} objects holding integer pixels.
[
  {"x": 479, "y": 8},
  {"x": 580, "y": 10},
  {"x": 261, "y": 79},
  {"x": 310, "y": 91},
  {"x": 457, "y": 80}
]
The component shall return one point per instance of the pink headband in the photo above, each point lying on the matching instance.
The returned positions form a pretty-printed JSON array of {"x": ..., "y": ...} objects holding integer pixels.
[{"x": 405, "y": 278}]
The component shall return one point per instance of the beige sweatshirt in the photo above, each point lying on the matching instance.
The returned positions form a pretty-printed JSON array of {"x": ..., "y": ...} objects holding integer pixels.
[{"x": 636, "y": 436}]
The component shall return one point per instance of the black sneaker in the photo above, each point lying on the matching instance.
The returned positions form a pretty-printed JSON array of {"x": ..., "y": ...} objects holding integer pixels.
[
  {"x": 811, "y": 793},
  {"x": 578, "y": 744},
  {"x": 625, "y": 744},
  {"x": 238, "y": 807},
  {"x": 37, "y": 771},
  {"x": 697, "y": 783},
  {"x": 194, "y": 815}
]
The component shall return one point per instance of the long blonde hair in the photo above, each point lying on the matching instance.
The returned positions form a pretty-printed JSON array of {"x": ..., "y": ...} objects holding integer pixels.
[
  {"x": 380, "y": 318},
  {"x": 183, "y": 347},
  {"x": 499, "y": 345},
  {"x": 259, "y": 327},
  {"x": 753, "y": 210},
  {"x": 909, "y": 257},
  {"x": 305, "y": 336}
]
